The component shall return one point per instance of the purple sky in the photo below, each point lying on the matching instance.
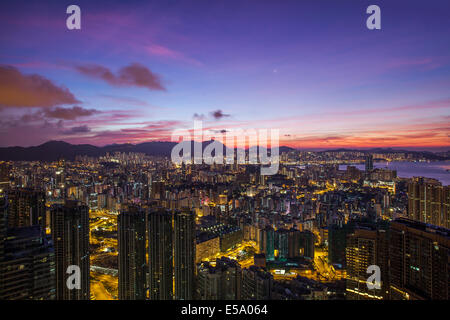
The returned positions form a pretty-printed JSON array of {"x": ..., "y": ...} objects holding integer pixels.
[{"x": 137, "y": 70}]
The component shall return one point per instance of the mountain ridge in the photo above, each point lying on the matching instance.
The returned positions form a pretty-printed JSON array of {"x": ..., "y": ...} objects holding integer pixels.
[{"x": 54, "y": 150}]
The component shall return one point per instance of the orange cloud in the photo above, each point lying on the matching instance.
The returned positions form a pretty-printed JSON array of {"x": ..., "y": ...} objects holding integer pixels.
[
  {"x": 20, "y": 90},
  {"x": 69, "y": 113}
]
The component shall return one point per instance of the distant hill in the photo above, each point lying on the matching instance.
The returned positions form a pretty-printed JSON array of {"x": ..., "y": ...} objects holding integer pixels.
[{"x": 55, "y": 150}]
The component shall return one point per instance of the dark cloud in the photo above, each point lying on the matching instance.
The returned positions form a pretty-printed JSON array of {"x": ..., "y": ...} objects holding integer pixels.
[
  {"x": 133, "y": 75},
  {"x": 220, "y": 131},
  {"x": 31, "y": 117},
  {"x": 218, "y": 114},
  {"x": 21, "y": 90},
  {"x": 46, "y": 117},
  {"x": 69, "y": 113},
  {"x": 76, "y": 130},
  {"x": 197, "y": 116}
]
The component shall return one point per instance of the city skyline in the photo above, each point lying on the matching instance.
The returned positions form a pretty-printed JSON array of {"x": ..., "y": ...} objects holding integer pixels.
[
  {"x": 137, "y": 72},
  {"x": 224, "y": 157},
  {"x": 138, "y": 227}
]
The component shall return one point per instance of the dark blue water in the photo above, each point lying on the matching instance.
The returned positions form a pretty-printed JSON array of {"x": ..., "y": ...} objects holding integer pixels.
[{"x": 435, "y": 170}]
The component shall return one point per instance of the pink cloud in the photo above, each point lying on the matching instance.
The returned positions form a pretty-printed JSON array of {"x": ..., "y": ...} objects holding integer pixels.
[{"x": 165, "y": 52}]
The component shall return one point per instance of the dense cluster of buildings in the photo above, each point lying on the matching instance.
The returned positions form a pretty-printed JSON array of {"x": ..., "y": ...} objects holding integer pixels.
[{"x": 223, "y": 231}]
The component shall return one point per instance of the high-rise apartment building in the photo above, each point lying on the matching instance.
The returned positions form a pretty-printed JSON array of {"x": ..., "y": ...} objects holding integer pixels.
[
  {"x": 26, "y": 207},
  {"x": 3, "y": 224},
  {"x": 27, "y": 265},
  {"x": 70, "y": 232},
  {"x": 366, "y": 247},
  {"x": 160, "y": 254},
  {"x": 337, "y": 242},
  {"x": 419, "y": 261},
  {"x": 282, "y": 244},
  {"x": 368, "y": 164},
  {"x": 131, "y": 243},
  {"x": 429, "y": 202},
  {"x": 4, "y": 176},
  {"x": 184, "y": 254},
  {"x": 266, "y": 240},
  {"x": 307, "y": 240}
]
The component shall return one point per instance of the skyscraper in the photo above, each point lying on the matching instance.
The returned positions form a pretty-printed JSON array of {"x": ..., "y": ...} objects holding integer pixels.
[
  {"x": 429, "y": 202},
  {"x": 26, "y": 207},
  {"x": 307, "y": 243},
  {"x": 27, "y": 265},
  {"x": 131, "y": 243},
  {"x": 70, "y": 231},
  {"x": 4, "y": 176},
  {"x": 266, "y": 241},
  {"x": 160, "y": 247},
  {"x": 282, "y": 244},
  {"x": 294, "y": 244},
  {"x": 3, "y": 208},
  {"x": 419, "y": 261},
  {"x": 184, "y": 253},
  {"x": 368, "y": 165},
  {"x": 337, "y": 242},
  {"x": 366, "y": 247}
]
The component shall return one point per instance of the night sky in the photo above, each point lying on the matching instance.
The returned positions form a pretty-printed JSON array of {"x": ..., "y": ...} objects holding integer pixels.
[{"x": 137, "y": 70}]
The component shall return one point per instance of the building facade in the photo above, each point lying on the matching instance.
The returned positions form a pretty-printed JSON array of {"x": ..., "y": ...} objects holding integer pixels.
[
  {"x": 70, "y": 232},
  {"x": 160, "y": 254},
  {"x": 132, "y": 262}
]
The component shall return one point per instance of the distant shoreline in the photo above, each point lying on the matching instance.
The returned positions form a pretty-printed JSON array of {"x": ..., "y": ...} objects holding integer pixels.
[{"x": 408, "y": 169}]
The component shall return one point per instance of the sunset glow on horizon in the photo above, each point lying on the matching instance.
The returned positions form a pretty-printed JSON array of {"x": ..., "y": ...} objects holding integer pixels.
[{"x": 139, "y": 70}]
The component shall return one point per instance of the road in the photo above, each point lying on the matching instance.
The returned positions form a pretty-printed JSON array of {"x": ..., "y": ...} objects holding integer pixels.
[{"x": 98, "y": 289}]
